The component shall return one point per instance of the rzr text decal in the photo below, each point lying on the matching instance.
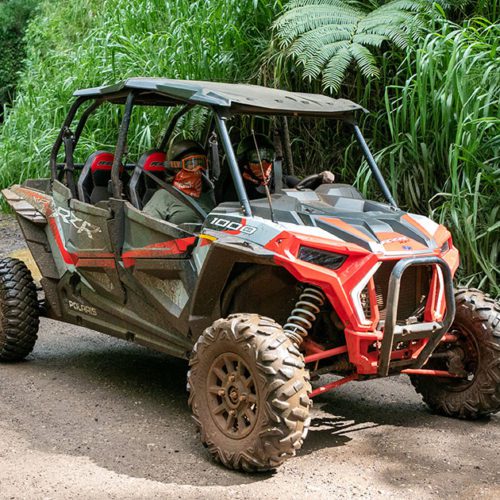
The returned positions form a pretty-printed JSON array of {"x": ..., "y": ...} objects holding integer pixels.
[{"x": 81, "y": 225}]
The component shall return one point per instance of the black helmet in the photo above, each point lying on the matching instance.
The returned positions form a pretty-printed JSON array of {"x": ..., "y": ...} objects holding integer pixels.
[
  {"x": 247, "y": 146},
  {"x": 179, "y": 149}
]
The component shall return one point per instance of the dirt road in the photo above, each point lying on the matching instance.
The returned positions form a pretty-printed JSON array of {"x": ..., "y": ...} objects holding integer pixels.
[{"x": 88, "y": 416}]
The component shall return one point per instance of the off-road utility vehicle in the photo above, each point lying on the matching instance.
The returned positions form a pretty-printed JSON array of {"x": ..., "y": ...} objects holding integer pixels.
[{"x": 260, "y": 295}]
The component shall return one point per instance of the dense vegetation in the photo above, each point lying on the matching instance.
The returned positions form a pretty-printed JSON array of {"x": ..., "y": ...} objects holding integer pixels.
[
  {"x": 84, "y": 43},
  {"x": 444, "y": 139},
  {"x": 429, "y": 73},
  {"x": 14, "y": 15}
]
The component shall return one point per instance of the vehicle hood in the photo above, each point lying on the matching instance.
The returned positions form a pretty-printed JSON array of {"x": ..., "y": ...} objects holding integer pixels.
[{"x": 373, "y": 226}]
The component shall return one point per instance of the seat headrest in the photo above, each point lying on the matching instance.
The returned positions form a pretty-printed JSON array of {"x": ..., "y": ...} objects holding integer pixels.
[
  {"x": 153, "y": 161},
  {"x": 102, "y": 161}
]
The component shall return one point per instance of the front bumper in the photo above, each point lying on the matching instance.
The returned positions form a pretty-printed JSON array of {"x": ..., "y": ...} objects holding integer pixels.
[
  {"x": 394, "y": 346},
  {"x": 431, "y": 330}
]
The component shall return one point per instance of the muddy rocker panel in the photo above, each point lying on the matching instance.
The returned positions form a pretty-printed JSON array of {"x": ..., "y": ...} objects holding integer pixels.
[
  {"x": 156, "y": 269},
  {"x": 119, "y": 306}
]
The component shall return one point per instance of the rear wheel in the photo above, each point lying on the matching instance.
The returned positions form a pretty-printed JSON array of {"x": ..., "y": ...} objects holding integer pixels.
[
  {"x": 475, "y": 356},
  {"x": 18, "y": 310},
  {"x": 249, "y": 392}
]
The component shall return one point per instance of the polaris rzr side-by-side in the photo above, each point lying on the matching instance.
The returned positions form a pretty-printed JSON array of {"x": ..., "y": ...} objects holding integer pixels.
[{"x": 261, "y": 295}]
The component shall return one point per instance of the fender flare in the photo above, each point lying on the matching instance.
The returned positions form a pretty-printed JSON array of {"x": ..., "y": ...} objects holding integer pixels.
[{"x": 206, "y": 303}]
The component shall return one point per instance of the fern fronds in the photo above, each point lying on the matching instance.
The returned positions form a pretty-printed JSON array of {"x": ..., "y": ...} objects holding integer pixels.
[{"x": 326, "y": 37}]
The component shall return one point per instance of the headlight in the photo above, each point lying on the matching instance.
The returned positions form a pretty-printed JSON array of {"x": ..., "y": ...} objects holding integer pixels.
[{"x": 321, "y": 258}]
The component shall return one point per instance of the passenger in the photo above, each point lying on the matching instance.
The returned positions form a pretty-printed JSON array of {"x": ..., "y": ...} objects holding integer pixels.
[{"x": 186, "y": 162}]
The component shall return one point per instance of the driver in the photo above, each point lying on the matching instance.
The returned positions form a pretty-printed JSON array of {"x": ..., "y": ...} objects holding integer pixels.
[
  {"x": 257, "y": 170},
  {"x": 185, "y": 165},
  {"x": 256, "y": 166},
  {"x": 257, "y": 176}
]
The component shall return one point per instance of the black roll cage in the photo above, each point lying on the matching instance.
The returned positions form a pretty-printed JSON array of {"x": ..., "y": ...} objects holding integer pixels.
[{"x": 221, "y": 115}]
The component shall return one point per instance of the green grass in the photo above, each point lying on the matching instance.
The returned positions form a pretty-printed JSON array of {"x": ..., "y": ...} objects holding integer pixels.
[
  {"x": 83, "y": 43},
  {"x": 434, "y": 127},
  {"x": 14, "y": 15}
]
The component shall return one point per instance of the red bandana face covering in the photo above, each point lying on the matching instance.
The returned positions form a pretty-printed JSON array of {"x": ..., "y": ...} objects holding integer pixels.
[
  {"x": 189, "y": 182},
  {"x": 253, "y": 172},
  {"x": 189, "y": 171}
]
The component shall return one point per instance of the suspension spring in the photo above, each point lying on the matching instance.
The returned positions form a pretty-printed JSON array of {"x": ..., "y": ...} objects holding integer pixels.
[{"x": 304, "y": 314}]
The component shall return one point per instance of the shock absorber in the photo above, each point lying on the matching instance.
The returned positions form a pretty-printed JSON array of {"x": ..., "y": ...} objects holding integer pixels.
[{"x": 304, "y": 314}]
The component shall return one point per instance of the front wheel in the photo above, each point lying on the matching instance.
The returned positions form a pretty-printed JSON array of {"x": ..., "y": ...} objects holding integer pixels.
[
  {"x": 249, "y": 392},
  {"x": 474, "y": 356}
]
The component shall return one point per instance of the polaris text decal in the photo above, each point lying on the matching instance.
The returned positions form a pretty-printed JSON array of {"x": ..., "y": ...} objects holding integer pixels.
[{"x": 76, "y": 306}]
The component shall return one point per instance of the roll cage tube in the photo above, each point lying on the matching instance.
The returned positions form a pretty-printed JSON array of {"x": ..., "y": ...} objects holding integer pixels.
[
  {"x": 84, "y": 118},
  {"x": 373, "y": 166},
  {"x": 171, "y": 126},
  {"x": 233, "y": 164},
  {"x": 120, "y": 147},
  {"x": 59, "y": 140},
  {"x": 65, "y": 130}
]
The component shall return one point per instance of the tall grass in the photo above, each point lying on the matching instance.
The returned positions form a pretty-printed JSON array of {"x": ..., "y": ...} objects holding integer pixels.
[
  {"x": 83, "y": 43},
  {"x": 444, "y": 151},
  {"x": 14, "y": 15}
]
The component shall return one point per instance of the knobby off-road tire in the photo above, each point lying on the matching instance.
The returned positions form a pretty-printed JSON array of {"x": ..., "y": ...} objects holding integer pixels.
[
  {"x": 245, "y": 364},
  {"x": 18, "y": 310},
  {"x": 477, "y": 326}
]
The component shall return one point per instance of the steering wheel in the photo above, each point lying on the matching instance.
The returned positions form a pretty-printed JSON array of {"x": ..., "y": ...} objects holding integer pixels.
[{"x": 309, "y": 182}]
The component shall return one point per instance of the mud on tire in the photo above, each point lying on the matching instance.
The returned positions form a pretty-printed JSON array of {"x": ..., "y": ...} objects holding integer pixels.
[
  {"x": 249, "y": 392},
  {"x": 18, "y": 310},
  {"x": 477, "y": 326}
]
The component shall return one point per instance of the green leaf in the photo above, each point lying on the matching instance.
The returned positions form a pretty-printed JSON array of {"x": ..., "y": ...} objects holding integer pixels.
[
  {"x": 336, "y": 68},
  {"x": 365, "y": 60}
]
